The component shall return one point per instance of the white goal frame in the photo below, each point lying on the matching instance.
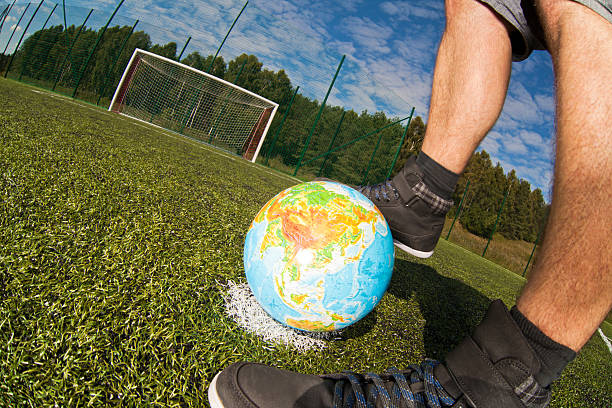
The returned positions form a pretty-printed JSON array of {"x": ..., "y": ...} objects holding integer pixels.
[{"x": 253, "y": 141}]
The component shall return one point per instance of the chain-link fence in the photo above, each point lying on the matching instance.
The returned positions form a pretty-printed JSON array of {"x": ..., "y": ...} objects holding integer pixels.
[{"x": 346, "y": 126}]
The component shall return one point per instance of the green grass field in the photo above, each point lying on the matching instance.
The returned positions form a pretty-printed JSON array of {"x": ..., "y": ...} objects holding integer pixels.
[{"x": 116, "y": 240}]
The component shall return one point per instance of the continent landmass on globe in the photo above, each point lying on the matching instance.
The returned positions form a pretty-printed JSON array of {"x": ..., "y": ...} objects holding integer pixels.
[{"x": 311, "y": 223}]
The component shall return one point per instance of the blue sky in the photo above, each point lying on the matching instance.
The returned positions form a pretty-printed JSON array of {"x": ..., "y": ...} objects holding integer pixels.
[{"x": 390, "y": 47}]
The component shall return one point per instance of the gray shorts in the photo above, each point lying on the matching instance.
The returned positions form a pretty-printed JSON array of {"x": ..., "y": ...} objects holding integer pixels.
[{"x": 521, "y": 14}]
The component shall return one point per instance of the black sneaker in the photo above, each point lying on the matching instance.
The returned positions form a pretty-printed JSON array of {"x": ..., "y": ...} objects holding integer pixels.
[
  {"x": 414, "y": 213},
  {"x": 255, "y": 385},
  {"x": 492, "y": 368}
]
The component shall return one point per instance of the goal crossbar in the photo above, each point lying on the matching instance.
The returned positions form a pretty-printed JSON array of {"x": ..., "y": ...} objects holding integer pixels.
[{"x": 178, "y": 97}]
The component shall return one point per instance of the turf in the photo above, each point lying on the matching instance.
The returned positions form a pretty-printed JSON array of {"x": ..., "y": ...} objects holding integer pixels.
[{"x": 116, "y": 240}]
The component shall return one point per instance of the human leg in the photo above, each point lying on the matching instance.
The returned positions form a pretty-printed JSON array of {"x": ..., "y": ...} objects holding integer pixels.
[
  {"x": 569, "y": 291},
  {"x": 470, "y": 83}
]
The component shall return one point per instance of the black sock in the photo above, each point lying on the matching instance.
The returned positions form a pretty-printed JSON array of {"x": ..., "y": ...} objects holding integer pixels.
[
  {"x": 553, "y": 356},
  {"x": 439, "y": 179}
]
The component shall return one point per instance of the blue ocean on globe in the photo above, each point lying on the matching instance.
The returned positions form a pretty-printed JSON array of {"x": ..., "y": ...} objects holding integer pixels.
[{"x": 319, "y": 256}]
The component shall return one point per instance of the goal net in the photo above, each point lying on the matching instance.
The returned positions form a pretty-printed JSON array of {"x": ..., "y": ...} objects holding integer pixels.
[{"x": 177, "y": 97}]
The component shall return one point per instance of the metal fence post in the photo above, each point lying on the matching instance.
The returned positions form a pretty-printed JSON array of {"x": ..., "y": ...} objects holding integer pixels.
[
  {"x": 183, "y": 50},
  {"x": 365, "y": 175},
  {"x": 240, "y": 71},
  {"x": 59, "y": 73},
  {"x": 15, "y": 29},
  {"x": 8, "y": 68},
  {"x": 278, "y": 129},
  {"x": 35, "y": 43},
  {"x": 531, "y": 256},
  {"x": 197, "y": 98},
  {"x": 109, "y": 72},
  {"x": 214, "y": 128},
  {"x": 350, "y": 142},
  {"x": 94, "y": 48},
  {"x": 66, "y": 22},
  {"x": 5, "y": 15},
  {"x": 154, "y": 111},
  {"x": 496, "y": 221},
  {"x": 4, "y": 12},
  {"x": 225, "y": 38},
  {"x": 399, "y": 148},
  {"x": 314, "y": 125},
  {"x": 467, "y": 186},
  {"x": 331, "y": 143}
]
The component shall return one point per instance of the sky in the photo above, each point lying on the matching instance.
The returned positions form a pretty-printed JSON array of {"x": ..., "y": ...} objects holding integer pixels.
[{"x": 390, "y": 49}]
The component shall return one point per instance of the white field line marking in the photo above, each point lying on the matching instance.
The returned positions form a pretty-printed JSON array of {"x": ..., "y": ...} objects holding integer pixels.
[
  {"x": 605, "y": 339},
  {"x": 150, "y": 126},
  {"x": 68, "y": 99}
]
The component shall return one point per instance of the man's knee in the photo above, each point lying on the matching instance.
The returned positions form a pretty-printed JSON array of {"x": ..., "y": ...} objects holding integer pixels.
[
  {"x": 460, "y": 8},
  {"x": 473, "y": 13},
  {"x": 554, "y": 13}
]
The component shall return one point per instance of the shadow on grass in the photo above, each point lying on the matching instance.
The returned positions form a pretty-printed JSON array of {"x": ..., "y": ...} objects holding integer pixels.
[
  {"x": 451, "y": 309},
  {"x": 361, "y": 328}
]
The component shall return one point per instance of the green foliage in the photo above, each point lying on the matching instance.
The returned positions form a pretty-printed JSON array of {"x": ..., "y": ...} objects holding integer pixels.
[
  {"x": 57, "y": 55},
  {"x": 168, "y": 50},
  {"x": 524, "y": 213},
  {"x": 116, "y": 240},
  {"x": 196, "y": 61},
  {"x": 412, "y": 143}
]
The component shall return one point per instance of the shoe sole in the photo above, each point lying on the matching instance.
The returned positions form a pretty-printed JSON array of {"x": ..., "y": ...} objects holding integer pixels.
[
  {"x": 213, "y": 397},
  {"x": 412, "y": 251}
]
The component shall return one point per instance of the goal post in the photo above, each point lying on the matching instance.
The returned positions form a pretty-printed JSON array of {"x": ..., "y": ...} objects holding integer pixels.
[{"x": 180, "y": 98}]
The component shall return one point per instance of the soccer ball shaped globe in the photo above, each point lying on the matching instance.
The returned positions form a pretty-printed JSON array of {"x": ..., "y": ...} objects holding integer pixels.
[{"x": 318, "y": 256}]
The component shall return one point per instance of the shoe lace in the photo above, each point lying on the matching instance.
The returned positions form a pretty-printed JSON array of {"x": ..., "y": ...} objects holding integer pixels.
[
  {"x": 378, "y": 189},
  {"x": 423, "y": 391}
]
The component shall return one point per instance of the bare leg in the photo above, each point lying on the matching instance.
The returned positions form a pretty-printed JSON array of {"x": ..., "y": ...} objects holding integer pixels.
[
  {"x": 569, "y": 292},
  {"x": 470, "y": 83}
]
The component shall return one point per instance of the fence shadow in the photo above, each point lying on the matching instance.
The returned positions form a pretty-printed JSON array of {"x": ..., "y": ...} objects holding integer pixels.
[{"x": 451, "y": 308}]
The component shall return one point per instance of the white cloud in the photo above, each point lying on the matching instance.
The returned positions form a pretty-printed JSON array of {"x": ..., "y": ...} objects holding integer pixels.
[
  {"x": 520, "y": 105},
  {"x": 524, "y": 151},
  {"x": 490, "y": 145},
  {"x": 531, "y": 138},
  {"x": 404, "y": 10},
  {"x": 514, "y": 144},
  {"x": 367, "y": 33},
  {"x": 546, "y": 103}
]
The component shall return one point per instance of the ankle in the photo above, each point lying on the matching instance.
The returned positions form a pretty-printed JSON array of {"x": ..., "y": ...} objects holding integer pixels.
[
  {"x": 552, "y": 355},
  {"x": 438, "y": 178}
]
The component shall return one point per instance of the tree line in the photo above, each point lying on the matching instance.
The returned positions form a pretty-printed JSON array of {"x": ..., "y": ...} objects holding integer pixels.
[{"x": 349, "y": 146}]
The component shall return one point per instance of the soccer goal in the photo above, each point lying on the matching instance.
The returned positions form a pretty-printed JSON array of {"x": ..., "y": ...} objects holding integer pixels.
[{"x": 177, "y": 97}]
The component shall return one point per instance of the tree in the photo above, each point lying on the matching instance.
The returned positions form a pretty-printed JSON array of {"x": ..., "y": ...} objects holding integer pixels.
[
  {"x": 168, "y": 50},
  {"x": 195, "y": 60},
  {"x": 412, "y": 143}
]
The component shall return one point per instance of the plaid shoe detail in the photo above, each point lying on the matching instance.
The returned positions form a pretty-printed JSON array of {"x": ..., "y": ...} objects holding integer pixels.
[
  {"x": 438, "y": 204},
  {"x": 532, "y": 394}
]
